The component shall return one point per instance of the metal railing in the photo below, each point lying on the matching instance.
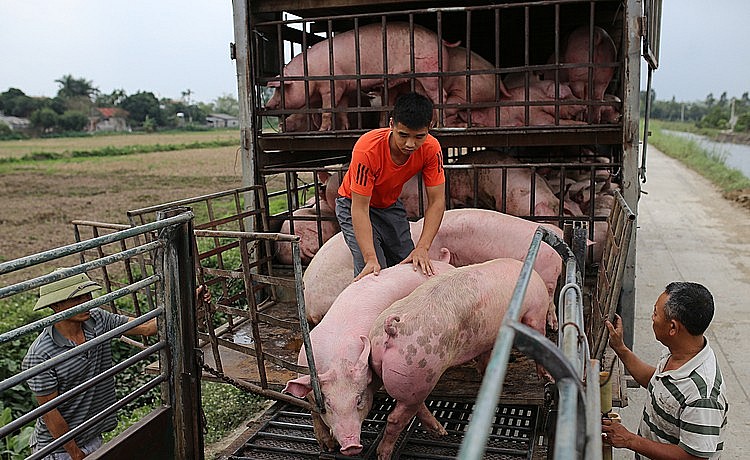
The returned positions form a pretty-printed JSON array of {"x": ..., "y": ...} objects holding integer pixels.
[
  {"x": 172, "y": 282},
  {"x": 568, "y": 364}
]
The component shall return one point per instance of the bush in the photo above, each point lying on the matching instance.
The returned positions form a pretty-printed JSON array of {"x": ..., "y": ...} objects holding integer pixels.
[
  {"x": 73, "y": 120},
  {"x": 226, "y": 407}
]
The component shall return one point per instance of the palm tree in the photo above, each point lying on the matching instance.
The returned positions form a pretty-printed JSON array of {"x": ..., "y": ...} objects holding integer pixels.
[{"x": 71, "y": 87}]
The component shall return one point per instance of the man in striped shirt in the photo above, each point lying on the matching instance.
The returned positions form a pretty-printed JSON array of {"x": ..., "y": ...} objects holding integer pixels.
[
  {"x": 686, "y": 412},
  {"x": 63, "y": 336}
]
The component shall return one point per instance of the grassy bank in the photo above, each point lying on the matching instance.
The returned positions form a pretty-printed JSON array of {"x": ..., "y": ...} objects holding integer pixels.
[{"x": 709, "y": 164}]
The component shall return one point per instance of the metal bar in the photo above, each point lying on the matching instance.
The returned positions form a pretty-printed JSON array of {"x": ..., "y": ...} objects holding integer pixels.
[
  {"x": 593, "y": 412},
  {"x": 62, "y": 357},
  {"x": 305, "y": 327},
  {"x": 49, "y": 405},
  {"x": 478, "y": 431},
  {"x": 70, "y": 312},
  {"x": 178, "y": 280},
  {"x": 254, "y": 235},
  {"x": 46, "y": 256},
  {"x": 566, "y": 433},
  {"x": 67, "y": 272}
]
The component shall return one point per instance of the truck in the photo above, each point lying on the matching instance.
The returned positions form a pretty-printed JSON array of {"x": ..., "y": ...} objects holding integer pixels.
[{"x": 551, "y": 131}]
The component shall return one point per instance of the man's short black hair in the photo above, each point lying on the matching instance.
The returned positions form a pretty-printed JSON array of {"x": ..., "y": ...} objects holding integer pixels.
[
  {"x": 691, "y": 304},
  {"x": 413, "y": 110}
]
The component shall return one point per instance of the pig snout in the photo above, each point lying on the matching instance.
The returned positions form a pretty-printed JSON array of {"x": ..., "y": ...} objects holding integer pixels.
[{"x": 351, "y": 447}]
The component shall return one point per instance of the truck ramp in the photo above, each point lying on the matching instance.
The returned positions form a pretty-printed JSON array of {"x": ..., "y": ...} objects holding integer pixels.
[{"x": 286, "y": 433}]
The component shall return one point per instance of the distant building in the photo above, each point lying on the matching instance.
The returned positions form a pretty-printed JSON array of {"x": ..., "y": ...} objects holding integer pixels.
[
  {"x": 222, "y": 120},
  {"x": 108, "y": 119},
  {"x": 15, "y": 123}
]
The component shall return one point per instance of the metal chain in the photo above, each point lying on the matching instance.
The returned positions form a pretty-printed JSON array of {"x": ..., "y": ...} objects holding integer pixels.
[{"x": 225, "y": 378}]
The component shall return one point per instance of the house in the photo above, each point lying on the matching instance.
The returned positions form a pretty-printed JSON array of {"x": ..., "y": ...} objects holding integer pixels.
[
  {"x": 222, "y": 120},
  {"x": 108, "y": 119},
  {"x": 15, "y": 123}
]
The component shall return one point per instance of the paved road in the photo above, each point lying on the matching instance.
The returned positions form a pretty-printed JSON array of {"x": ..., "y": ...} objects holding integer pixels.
[{"x": 687, "y": 231}]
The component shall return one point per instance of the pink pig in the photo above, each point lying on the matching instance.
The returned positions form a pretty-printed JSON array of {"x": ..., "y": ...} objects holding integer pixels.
[
  {"x": 447, "y": 321},
  {"x": 539, "y": 91},
  {"x": 576, "y": 51},
  {"x": 341, "y": 351},
  {"x": 399, "y": 37},
  {"x": 492, "y": 235}
]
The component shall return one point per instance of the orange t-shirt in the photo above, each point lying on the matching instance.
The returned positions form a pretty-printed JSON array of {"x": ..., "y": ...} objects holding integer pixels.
[{"x": 373, "y": 173}]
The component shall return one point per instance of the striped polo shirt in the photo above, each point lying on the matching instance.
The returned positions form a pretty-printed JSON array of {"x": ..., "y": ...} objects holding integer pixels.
[
  {"x": 73, "y": 372},
  {"x": 687, "y": 406}
]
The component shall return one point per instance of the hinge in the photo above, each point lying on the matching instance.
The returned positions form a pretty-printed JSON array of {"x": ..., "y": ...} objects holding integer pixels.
[{"x": 232, "y": 51}]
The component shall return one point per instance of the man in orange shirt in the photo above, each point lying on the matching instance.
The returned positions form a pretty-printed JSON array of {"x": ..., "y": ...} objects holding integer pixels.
[{"x": 372, "y": 218}]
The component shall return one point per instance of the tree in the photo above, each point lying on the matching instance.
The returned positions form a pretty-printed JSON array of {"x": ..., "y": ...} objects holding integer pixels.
[
  {"x": 710, "y": 100},
  {"x": 112, "y": 99},
  {"x": 73, "y": 120},
  {"x": 17, "y": 104},
  {"x": 71, "y": 87},
  {"x": 226, "y": 103},
  {"x": 44, "y": 119},
  {"x": 142, "y": 104}
]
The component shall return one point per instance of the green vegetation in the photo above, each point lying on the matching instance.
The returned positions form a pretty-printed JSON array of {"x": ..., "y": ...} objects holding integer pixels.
[
  {"x": 709, "y": 164},
  {"x": 710, "y": 113},
  {"x": 117, "y": 151},
  {"x": 225, "y": 407},
  {"x": 78, "y": 99}
]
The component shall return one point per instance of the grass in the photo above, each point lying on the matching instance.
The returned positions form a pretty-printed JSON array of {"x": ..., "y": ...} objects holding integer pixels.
[
  {"x": 20, "y": 148},
  {"x": 709, "y": 164}
]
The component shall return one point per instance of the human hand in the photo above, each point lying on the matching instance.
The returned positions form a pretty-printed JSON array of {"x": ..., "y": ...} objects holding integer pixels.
[
  {"x": 202, "y": 290},
  {"x": 615, "y": 334},
  {"x": 371, "y": 266},
  {"x": 615, "y": 434},
  {"x": 420, "y": 259}
]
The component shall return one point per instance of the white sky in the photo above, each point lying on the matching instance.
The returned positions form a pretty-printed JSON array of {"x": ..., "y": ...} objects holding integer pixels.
[{"x": 170, "y": 46}]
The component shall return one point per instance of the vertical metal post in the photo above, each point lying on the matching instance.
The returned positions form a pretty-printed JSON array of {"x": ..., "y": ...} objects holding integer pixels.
[
  {"x": 178, "y": 275},
  {"x": 631, "y": 185}
]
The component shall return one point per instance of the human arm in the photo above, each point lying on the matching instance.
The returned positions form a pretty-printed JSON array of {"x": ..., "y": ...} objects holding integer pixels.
[
  {"x": 147, "y": 328},
  {"x": 57, "y": 426},
  {"x": 617, "y": 435},
  {"x": 363, "y": 234},
  {"x": 641, "y": 371},
  {"x": 433, "y": 216}
]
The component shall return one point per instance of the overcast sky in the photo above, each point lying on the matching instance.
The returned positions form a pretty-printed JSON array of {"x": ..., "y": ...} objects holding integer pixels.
[{"x": 170, "y": 46}]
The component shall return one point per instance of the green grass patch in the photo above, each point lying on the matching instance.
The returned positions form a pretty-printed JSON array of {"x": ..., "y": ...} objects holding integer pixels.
[
  {"x": 709, "y": 164},
  {"x": 226, "y": 407},
  {"x": 110, "y": 151}
]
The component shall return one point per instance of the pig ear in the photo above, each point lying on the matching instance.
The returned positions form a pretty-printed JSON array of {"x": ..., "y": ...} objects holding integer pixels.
[
  {"x": 363, "y": 363},
  {"x": 298, "y": 387}
]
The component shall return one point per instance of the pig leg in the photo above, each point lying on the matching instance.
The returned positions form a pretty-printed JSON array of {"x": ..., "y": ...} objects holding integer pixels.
[
  {"x": 340, "y": 102},
  {"x": 321, "y": 430},
  {"x": 429, "y": 422},
  {"x": 552, "y": 315},
  {"x": 397, "y": 421}
]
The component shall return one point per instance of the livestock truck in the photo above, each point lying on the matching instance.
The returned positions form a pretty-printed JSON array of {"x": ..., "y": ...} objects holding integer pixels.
[{"x": 537, "y": 112}]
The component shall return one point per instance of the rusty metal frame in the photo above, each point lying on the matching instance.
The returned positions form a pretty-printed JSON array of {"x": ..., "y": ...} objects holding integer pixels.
[{"x": 173, "y": 282}]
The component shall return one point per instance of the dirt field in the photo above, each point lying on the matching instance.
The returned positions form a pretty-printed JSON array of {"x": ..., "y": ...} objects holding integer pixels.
[{"x": 39, "y": 199}]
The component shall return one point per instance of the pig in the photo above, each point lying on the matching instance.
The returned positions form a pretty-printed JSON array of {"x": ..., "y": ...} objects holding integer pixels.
[
  {"x": 425, "y": 50},
  {"x": 576, "y": 51},
  {"x": 515, "y": 115},
  {"x": 483, "y": 86},
  {"x": 451, "y": 319},
  {"x": 341, "y": 350},
  {"x": 307, "y": 230},
  {"x": 493, "y": 235},
  {"x": 299, "y": 122}
]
